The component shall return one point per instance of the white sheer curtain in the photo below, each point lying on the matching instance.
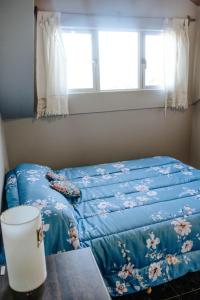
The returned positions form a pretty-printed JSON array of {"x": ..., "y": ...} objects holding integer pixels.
[
  {"x": 51, "y": 78},
  {"x": 196, "y": 75},
  {"x": 176, "y": 63}
]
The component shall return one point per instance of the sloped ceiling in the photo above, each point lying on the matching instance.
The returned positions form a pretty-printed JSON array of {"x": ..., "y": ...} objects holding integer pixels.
[{"x": 197, "y": 2}]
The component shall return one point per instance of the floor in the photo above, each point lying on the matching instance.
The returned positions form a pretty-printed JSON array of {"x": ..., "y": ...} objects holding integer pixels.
[{"x": 184, "y": 288}]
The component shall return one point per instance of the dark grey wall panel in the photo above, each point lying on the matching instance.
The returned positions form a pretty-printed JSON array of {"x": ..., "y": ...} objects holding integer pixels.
[{"x": 16, "y": 58}]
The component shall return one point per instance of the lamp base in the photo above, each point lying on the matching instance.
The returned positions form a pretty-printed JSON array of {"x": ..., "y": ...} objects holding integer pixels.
[{"x": 31, "y": 295}]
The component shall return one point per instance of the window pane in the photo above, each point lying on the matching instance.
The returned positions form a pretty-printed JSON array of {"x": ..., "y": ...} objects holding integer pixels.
[
  {"x": 154, "y": 59},
  {"x": 79, "y": 60},
  {"x": 118, "y": 59}
]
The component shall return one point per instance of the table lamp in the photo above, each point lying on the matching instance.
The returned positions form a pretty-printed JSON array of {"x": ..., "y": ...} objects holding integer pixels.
[{"x": 24, "y": 248}]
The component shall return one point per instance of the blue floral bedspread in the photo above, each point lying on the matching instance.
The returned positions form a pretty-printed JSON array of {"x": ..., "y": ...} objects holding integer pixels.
[{"x": 141, "y": 217}]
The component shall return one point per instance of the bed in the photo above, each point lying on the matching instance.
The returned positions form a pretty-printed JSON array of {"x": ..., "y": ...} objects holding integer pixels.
[{"x": 141, "y": 218}]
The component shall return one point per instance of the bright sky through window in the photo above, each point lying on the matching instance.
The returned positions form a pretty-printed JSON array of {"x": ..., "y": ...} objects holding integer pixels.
[
  {"x": 79, "y": 60},
  {"x": 154, "y": 60},
  {"x": 118, "y": 60},
  {"x": 113, "y": 60}
]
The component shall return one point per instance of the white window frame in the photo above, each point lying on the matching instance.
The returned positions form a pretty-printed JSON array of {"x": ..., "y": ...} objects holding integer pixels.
[{"x": 95, "y": 60}]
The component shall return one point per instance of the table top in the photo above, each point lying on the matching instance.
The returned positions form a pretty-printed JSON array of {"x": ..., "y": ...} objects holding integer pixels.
[{"x": 72, "y": 275}]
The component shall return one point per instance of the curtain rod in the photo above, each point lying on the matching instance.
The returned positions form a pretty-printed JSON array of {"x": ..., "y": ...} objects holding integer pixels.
[
  {"x": 190, "y": 19},
  {"x": 196, "y": 102}
]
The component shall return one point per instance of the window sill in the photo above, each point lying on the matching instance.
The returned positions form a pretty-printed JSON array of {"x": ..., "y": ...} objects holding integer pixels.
[
  {"x": 93, "y": 91},
  {"x": 106, "y": 101}
]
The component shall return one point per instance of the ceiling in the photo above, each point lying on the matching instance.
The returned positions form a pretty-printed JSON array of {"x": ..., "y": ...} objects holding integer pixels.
[{"x": 197, "y": 2}]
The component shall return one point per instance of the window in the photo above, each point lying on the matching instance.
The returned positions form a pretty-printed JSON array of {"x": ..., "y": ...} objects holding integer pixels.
[
  {"x": 79, "y": 60},
  {"x": 153, "y": 48},
  {"x": 118, "y": 60},
  {"x": 113, "y": 60}
]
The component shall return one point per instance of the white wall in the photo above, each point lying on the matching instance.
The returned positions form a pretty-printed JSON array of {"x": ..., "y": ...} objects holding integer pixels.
[
  {"x": 106, "y": 136},
  {"x": 137, "y": 8},
  {"x": 16, "y": 57},
  {"x": 195, "y": 139},
  {"x": 102, "y": 137},
  {"x": 3, "y": 159}
]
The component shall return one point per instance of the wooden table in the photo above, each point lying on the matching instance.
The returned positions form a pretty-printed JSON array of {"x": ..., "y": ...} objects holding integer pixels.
[{"x": 71, "y": 275}]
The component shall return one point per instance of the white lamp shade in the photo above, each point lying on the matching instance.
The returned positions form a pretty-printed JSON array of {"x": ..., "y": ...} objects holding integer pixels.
[{"x": 23, "y": 249}]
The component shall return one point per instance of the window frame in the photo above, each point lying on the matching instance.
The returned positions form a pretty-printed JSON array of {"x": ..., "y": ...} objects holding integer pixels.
[{"x": 96, "y": 62}]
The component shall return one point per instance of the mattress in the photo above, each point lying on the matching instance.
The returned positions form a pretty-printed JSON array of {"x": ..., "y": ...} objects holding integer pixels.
[{"x": 141, "y": 218}]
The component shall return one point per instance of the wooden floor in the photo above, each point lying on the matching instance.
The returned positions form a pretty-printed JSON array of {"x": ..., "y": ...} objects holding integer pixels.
[{"x": 184, "y": 288}]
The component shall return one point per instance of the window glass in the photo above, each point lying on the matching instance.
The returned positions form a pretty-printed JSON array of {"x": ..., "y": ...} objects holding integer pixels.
[
  {"x": 78, "y": 48},
  {"x": 118, "y": 60},
  {"x": 154, "y": 60}
]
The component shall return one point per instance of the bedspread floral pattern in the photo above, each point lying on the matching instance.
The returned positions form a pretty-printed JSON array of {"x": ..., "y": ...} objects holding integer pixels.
[{"x": 141, "y": 218}]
